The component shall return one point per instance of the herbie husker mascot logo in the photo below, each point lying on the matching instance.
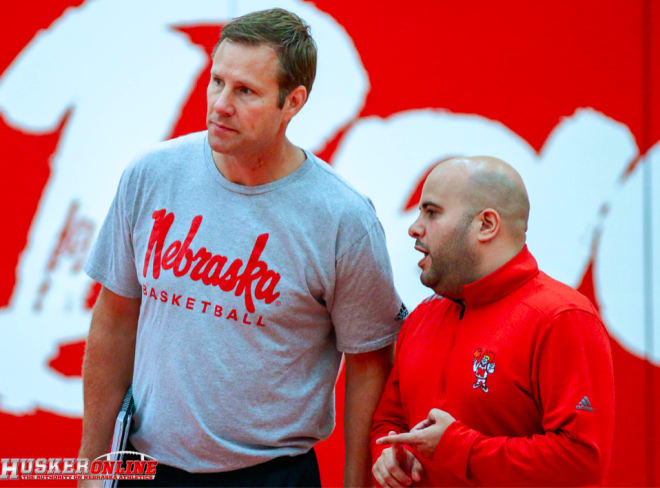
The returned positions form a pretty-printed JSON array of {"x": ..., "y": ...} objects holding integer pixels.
[{"x": 482, "y": 366}]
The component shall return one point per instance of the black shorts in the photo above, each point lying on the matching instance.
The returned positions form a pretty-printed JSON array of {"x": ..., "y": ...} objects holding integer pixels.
[{"x": 301, "y": 470}]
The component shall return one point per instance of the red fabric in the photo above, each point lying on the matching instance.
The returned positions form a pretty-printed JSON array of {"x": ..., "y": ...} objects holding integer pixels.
[{"x": 550, "y": 351}]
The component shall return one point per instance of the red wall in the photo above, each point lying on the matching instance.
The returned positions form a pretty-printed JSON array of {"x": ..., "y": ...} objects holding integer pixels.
[{"x": 526, "y": 65}]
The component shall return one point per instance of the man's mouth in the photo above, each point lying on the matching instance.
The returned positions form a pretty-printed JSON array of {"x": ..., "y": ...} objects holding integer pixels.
[
  {"x": 222, "y": 127},
  {"x": 423, "y": 250}
]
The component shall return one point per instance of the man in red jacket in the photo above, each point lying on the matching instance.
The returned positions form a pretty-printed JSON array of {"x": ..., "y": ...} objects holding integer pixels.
[{"x": 504, "y": 376}]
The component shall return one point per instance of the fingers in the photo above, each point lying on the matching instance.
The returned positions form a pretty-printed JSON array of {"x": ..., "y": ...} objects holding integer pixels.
[
  {"x": 396, "y": 468},
  {"x": 440, "y": 417},
  {"x": 407, "y": 438},
  {"x": 417, "y": 470},
  {"x": 386, "y": 479},
  {"x": 434, "y": 414},
  {"x": 422, "y": 425},
  {"x": 399, "y": 453},
  {"x": 388, "y": 471}
]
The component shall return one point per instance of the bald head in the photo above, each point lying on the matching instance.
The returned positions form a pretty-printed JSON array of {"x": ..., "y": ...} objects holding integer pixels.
[
  {"x": 472, "y": 219},
  {"x": 488, "y": 182}
]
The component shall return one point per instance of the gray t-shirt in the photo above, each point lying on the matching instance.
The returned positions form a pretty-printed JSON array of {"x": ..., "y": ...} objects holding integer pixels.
[{"x": 249, "y": 296}]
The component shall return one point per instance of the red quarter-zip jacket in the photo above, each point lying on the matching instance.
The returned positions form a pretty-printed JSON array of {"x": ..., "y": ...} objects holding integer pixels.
[{"x": 524, "y": 365}]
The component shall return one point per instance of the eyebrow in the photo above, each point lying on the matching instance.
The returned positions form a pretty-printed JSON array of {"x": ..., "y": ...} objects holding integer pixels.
[
  {"x": 425, "y": 205},
  {"x": 239, "y": 82}
]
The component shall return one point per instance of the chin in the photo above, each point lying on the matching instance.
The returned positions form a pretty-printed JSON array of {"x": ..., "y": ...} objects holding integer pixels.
[
  {"x": 428, "y": 281},
  {"x": 219, "y": 147}
]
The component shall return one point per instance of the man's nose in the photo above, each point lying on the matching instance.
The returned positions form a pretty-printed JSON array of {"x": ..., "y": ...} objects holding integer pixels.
[
  {"x": 223, "y": 104},
  {"x": 416, "y": 230}
]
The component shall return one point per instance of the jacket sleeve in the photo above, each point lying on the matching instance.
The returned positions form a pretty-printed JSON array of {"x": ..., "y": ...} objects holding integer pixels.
[{"x": 573, "y": 367}]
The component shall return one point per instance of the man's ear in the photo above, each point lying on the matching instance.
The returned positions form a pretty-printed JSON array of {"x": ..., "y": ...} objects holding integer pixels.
[
  {"x": 489, "y": 223},
  {"x": 294, "y": 101}
]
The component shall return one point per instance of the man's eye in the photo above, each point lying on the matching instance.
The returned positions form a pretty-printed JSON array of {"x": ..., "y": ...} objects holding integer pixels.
[
  {"x": 245, "y": 90},
  {"x": 217, "y": 81}
]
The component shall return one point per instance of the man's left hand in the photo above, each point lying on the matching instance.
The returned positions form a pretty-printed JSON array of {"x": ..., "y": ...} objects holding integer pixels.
[{"x": 425, "y": 436}]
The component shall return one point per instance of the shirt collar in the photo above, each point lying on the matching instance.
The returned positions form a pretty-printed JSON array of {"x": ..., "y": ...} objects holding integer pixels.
[{"x": 513, "y": 274}]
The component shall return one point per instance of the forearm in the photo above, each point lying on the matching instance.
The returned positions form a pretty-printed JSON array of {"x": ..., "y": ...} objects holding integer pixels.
[
  {"x": 365, "y": 378},
  {"x": 107, "y": 373},
  {"x": 356, "y": 434}
]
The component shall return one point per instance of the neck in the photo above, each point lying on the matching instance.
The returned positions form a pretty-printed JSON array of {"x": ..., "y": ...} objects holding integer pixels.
[
  {"x": 490, "y": 259},
  {"x": 259, "y": 168},
  {"x": 497, "y": 258}
]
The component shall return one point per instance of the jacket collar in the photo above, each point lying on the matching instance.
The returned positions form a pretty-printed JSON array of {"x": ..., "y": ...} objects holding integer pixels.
[{"x": 512, "y": 275}]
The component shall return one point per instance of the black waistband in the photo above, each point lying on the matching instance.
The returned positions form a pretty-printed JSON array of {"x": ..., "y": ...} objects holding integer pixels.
[{"x": 300, "y": 470}]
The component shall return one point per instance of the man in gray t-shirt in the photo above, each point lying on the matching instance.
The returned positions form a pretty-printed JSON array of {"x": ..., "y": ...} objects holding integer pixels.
[{"x": 236, "y": 270}]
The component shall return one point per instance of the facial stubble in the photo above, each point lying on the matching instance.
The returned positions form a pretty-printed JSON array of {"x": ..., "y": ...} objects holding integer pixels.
[{"x": 452, "y": 263}]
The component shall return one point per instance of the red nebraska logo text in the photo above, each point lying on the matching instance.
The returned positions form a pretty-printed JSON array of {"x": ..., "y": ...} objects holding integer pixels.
[{"x": 209, "y": 267}]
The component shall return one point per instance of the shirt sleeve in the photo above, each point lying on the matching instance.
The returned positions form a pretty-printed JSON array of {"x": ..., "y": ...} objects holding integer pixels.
[
  {"x": 112, "y": 260},
  {"x": 576, "y": 387},
  {"x": 366, "y": 310}
]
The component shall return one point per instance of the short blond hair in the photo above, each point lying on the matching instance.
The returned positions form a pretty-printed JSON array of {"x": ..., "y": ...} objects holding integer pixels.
[{"x": 288, "y": 35}]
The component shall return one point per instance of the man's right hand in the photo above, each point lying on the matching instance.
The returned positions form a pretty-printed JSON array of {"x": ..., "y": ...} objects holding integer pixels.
[{"x": 397, "y": 467}]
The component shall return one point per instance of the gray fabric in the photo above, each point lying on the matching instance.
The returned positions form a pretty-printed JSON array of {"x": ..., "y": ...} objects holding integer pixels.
[{"x": 233, "y": 372}]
